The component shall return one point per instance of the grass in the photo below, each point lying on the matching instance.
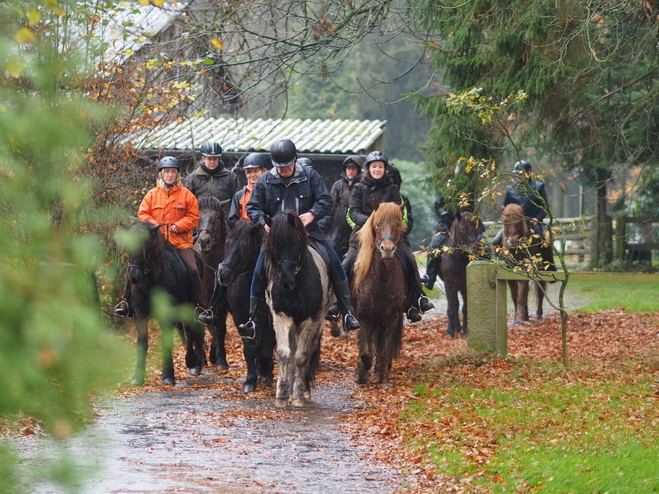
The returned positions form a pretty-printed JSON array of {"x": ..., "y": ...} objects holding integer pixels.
[
  {"x": 534, "y": 427},
  {"x": 639, "y": 297}
]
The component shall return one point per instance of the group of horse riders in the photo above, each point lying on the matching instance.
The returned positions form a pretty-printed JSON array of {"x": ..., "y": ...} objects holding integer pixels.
[
  {"x": 292, "y": 184},
  {"x": 526, "y": 190}
]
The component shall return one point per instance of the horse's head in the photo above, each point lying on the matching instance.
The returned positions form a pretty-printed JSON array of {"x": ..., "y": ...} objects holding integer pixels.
[
  {"x": 387, "y": 227},
  {"x": 242, "y": 249},
  {"x": 145, "y": 251},
  {"x": 515, "y": 228},
  {"x": 212, "y": 223},
  {"x": 286, "y": 247},
  {"x": 466, "y": 231}
]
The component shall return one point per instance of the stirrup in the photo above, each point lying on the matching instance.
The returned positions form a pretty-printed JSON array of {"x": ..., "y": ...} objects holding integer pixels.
[
  {"x": 250, "y": 325},
  {"x": 205, "y": 316},
  {"x": 119, "y": 308}
]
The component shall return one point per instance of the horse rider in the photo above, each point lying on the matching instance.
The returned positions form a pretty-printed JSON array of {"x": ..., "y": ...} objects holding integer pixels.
[
  {"x": 376, "y": 185},
  {"x": 340, "y": 192},
  {"x": 172, "y": 206},
  {"x": 396, "y": 178},
  {"x": 291, "y": 186},
  {"x": 445, "y": 220},
  {"x": 211, "y": 178},
  {"x": 254, "y": 165},
  {"x": 529, "y": 193}
]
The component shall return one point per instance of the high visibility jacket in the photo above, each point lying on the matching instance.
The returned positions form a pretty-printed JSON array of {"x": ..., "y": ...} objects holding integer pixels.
[{"x": 171, "y": 206}]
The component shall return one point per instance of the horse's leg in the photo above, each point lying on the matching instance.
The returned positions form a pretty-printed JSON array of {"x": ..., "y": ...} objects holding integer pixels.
[
  {"x": 264, "y": 359},
  {"x": 539, "y": 288},
  {"x": 463, "y": 291},
  {"x": 452, "y": 309},
  {"x": 167, "y": 344},
  {"x": 522, "y": 302},
  {"x": 383, "y": 357},
  {"x": 283, "y": 329},
  {"x": 514, "y": 295},
  {"x": 194, "y": 354},
  {"x": 365, "y": 359},
  {"x": 250, "y": 353},
  {"x": 218, "y": 332},
  {"x": 303, "y": 353},
  {"x": 142, "y": 347}
]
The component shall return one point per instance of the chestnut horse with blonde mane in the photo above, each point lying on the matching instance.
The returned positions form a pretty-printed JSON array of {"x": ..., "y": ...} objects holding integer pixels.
[
  {"x": 379, "y": 292},
  {"x": 520, "y": 246}
]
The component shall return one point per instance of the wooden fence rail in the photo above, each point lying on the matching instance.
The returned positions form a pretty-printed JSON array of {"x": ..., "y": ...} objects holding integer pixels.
[{"x": 487, "y": 286}]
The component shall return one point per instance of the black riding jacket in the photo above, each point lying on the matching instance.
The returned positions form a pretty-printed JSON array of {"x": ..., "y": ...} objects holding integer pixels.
[
  {"x": 340, "y": 193},
  {"x": 304, "y": 192},
  {"x": 531, "y": 196},
  {"x": 363, "y": 194}
]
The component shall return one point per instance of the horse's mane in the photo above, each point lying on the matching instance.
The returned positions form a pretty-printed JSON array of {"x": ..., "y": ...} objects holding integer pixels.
[
  {"x": 286, "y": 233},
  {"x": 386, "y": 212},
  {"x": 210, "y": 202},
  {"x": 152, "y": 244}
]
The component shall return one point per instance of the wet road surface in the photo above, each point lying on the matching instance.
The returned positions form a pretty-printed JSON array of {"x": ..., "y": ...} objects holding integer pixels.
[{"x": 204, "y": 438}]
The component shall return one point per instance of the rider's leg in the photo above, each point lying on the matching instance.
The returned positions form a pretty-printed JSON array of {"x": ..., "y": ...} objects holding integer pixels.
[
  {"x": 216, "y": 305},
  {"x": 256, "y": 294},
  {"x": 190, "y": 259},
  {"x": 334, "y": 311},
  {"x": 341, "y": 288},
  {"x": 434, "y": 260},
  {"x": 418, "y": 303}
]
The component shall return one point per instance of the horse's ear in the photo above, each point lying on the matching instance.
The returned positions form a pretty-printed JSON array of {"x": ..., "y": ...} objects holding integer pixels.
[
  {"x": 154, "y": 228},
  {"x": 225, "y": 202},
  {"x": 291, "y": 220},
  {"x": 376, "y": 204},
  {"x": 403, "y": 206},
  {"x": 458, "y": 216}
]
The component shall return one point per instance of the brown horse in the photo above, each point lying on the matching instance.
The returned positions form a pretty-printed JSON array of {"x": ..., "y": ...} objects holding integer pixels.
[
  {"x": 519, "y": 249},
  {"x": 463, "y": 245},
  {"x": 379, "y": 292}
]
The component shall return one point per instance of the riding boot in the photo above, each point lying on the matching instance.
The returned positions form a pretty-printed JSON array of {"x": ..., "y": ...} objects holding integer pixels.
[
  {"x": 122, "y": 308},
  {"x": 248, "y": 330},
  {"x": 334, "y": 312},
  {"x": 496, "y": 242},
  {"x": 342, "y": 291},
  {"x": 432, "y": 270}
]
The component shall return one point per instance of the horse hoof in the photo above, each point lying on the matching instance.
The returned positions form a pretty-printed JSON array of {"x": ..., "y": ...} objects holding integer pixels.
[
  {"x": 168, "y": 380},
  {"x": 279, "y": 403},
  {"x": 222, "y": 367},
  {"x": 248, "y": 388},
  {"x": 385, "y": 386},
  {"x": 307, "y": 395},
  {"x": 298, "y": 403},
  {"x": 195, "y": 371},
  {"x": 362, "y": 380},
  {"x": 137, "y": 381}
]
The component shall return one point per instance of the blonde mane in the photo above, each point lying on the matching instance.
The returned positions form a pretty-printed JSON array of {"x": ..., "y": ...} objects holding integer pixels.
[{"x": 385, "y": 213}]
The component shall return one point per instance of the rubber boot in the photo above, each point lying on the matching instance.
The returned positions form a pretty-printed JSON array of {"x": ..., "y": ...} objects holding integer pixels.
[{"x": 342, "y": 291}]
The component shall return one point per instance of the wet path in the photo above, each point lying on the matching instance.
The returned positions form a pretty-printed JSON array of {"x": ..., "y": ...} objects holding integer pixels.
[{"x": 198, "y": 439}]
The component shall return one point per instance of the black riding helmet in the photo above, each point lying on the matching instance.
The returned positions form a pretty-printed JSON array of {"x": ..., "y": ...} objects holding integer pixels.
[
  {"x": 254, "y": 160},
  {"x": 283, "y": 153},
  {"x": 355, "y": 161},
  {"x": 522, "y": 167},
  {"x": 211, "y": 149},
  {"x": 305, "y": 162},
  {"x": 168, "y": 162},
  {"x": 376, "y": 156}
]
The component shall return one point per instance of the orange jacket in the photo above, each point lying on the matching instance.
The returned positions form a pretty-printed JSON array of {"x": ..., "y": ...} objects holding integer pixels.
[{"x": 176, "y": 206}]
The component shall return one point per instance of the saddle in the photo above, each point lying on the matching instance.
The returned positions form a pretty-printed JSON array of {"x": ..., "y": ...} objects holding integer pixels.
[{"x": 322, "y": 251}]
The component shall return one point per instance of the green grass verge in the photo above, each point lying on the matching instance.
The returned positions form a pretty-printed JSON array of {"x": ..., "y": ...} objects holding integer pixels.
[
  {"x": 534, "y": 427},
  {"x": 634, "y": 297}
]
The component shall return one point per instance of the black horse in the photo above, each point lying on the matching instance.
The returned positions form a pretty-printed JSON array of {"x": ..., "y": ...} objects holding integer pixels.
[
  {"x": 156, "y": 265},
  {"x": 235, "y": 273},
  {"x": 463, "y": 245},
  {"x": 298, "y": 293},
  {"x": 210, "y": 245}
]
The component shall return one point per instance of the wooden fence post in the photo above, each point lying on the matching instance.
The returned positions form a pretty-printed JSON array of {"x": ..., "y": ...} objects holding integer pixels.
[{"x": 486, "y": 308}]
